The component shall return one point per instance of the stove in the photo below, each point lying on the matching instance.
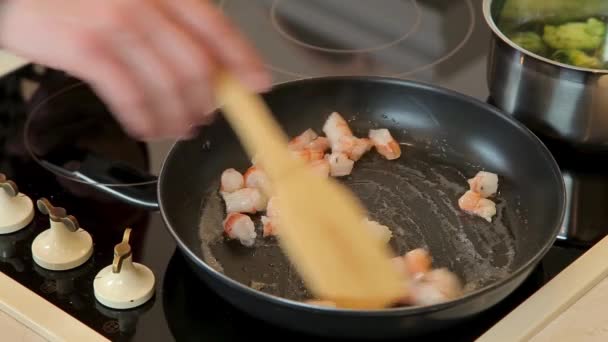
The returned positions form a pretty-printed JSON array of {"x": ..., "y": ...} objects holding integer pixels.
[{"x": 51, "y": 124}]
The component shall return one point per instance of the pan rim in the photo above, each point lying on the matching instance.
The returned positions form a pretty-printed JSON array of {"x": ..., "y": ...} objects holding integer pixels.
[{"x": 397, "y": 311}]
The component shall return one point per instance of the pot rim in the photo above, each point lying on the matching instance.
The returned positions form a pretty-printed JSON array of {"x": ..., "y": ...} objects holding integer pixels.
[{"x": 487, "y": 14}]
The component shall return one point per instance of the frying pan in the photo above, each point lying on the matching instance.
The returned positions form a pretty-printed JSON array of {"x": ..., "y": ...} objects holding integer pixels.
[{"x": 446, "y": 138}]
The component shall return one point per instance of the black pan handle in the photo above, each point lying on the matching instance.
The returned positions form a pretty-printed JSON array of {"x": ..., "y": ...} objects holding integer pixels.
[{"x": 119, "y": 180}]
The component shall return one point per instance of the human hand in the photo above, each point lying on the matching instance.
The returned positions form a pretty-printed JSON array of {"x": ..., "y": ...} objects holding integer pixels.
[{"x": 151, "y": 61}]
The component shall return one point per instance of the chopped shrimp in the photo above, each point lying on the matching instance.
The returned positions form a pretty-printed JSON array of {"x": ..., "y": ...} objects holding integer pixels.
[
  {"x": 302, "y": 140},
  {"x": 486, "y": 209},
  {"x": 473, "y": 203},
  {"x": 468, "y": 201},
  {"x": 272, "y": 210},
  {"x": 231, "y": 180},
  {"x": 435, "y": 287},
  {"x": 241, "y": 227},
  {"x": 484, "y": 183},
  {"x": 385, "y": 144},
  {"x": 268, "y": 226},
  {"x": 321, "y": 167},
  {"x": 256, "y": 178},
  {"x": 360, "y": 147},
  {"x": 308, "y": 155},
  {"x": 414, "y": 263},
  {"x": 382, "y": 232},
  {"x": 417, "y": 261},
  {"x": 336, "y": 127},
  {"x": 352, "y": 146},
  {"x": 271, "y": 220},
  {"x": 340, "y": 165},
  {"x": 344, "y": 144},
  {"x": 319, "y": 144},
  {"x": 245, "y": 200}
]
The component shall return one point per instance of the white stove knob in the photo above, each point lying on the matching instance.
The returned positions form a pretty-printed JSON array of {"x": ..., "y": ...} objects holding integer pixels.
[
  {"x": 124, "y": 284},
  {"x": 16, "y": 209},
  {"x": 64, "y": 245}
]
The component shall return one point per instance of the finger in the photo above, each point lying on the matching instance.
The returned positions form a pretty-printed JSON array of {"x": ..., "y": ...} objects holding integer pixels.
[
  {"x": 156, "y": 74},
  {"x": 191, "y": 61},
  {"x": 232, "y": 50},
  {"x": 112, "y": 80}
]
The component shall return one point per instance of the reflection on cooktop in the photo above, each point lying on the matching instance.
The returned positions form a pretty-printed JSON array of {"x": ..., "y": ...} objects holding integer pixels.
[
  {"x": 69, "y": 131},
  {"x": 346, "y": 37}
]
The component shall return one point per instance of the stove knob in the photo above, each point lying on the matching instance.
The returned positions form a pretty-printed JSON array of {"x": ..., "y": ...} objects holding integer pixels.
[
  {"x": 124, "y": 284},
  {"x": 64, "y": 245},
  {"x": 16, "y": 209}
]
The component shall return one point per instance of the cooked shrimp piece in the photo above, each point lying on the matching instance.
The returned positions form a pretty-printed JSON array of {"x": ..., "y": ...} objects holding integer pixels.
[
  {"x": 246, "y": 200},
  {"x": 436, "y": 286},
  {"x": 231, "y": 180},
  {"x": 272, "y": 210},
  {"x": 484, "y": 183},
  {"x": 319, "y": 144},
  {"x": 256, "y": 178},
  {"x": 340, "y": 165},
  {"x": 352, "y": 146},
  {"x": 486, "y": 209},
  {"x": 385, "y": 144},
  {"x": 360, "y": 147},
  {"x": 271, "y": 220},
  {"x": 268, "y": 226},
  {"x": 418, "y": 261},
  {"x": 321, "y": 167},
  {"x": 382, "y": 232},
  {"x": 335, "y": 127},
  {"x": 468, "y": 202},
  {"x": 473, "y": 203},
  {"x": 308, "y": 155},
  {"x": 302, "y": 140},
  {"x": 241, "y": 227},
  {"x": 344, "y": 144}
]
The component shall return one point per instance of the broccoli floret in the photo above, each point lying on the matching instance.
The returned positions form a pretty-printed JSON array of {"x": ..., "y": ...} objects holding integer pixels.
[
  {"x": 530, "y": 41},
  {"x": 577, "y": 58},
  {"x": 576, "y": 35}
]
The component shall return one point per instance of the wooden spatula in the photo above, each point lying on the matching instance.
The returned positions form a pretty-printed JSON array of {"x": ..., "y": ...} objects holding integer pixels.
[{"x": 322, "y": 230}]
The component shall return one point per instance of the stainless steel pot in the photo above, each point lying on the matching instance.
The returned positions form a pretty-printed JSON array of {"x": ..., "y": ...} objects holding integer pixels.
[{"x": 556, "y": 100}]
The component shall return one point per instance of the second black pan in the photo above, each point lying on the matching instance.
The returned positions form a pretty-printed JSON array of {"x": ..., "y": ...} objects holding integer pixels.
[{"x": 446, "y": 138}]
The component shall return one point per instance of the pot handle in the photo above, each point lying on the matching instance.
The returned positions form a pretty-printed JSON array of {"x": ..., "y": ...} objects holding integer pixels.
[{"x": 116, "y": 179}]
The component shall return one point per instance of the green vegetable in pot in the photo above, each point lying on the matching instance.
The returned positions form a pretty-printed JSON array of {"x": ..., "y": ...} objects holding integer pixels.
[
  {"x": 587, "y": 35},
  {"x": 530, "y": 41},
  {"x": 514, "y": 13},
  {"x": 577, "y": 58}
]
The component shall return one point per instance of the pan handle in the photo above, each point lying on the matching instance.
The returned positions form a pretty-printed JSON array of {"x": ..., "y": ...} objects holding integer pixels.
[{"x": 118, "y": 180}]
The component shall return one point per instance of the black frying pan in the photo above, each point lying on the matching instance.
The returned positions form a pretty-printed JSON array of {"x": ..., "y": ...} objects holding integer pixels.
[{"x": 446, "y": 139}]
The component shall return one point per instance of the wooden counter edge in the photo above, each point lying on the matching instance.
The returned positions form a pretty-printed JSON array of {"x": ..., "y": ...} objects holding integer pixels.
[
  {"x": 41, "y": 316},
  {"x": 530, "y": 317}
]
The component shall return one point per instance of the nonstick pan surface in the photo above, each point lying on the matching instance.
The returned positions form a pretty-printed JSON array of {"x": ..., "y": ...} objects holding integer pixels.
[{"x": 446, "y": 138}]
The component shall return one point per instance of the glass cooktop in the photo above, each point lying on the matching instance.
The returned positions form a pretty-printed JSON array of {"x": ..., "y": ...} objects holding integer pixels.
[{"x": 54, "y": 130}]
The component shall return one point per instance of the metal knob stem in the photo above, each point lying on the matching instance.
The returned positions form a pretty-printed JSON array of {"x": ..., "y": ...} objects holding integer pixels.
[
  {"x": 8, "y": 185},
  {"x": 57, "y": 214},
  {"x": 121, "y": 251}
]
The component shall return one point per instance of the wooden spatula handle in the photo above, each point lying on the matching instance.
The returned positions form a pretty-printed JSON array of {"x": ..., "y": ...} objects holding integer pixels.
[
  {"x": 322, "y": 228},
  {"x": 258, "y": 131}
]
